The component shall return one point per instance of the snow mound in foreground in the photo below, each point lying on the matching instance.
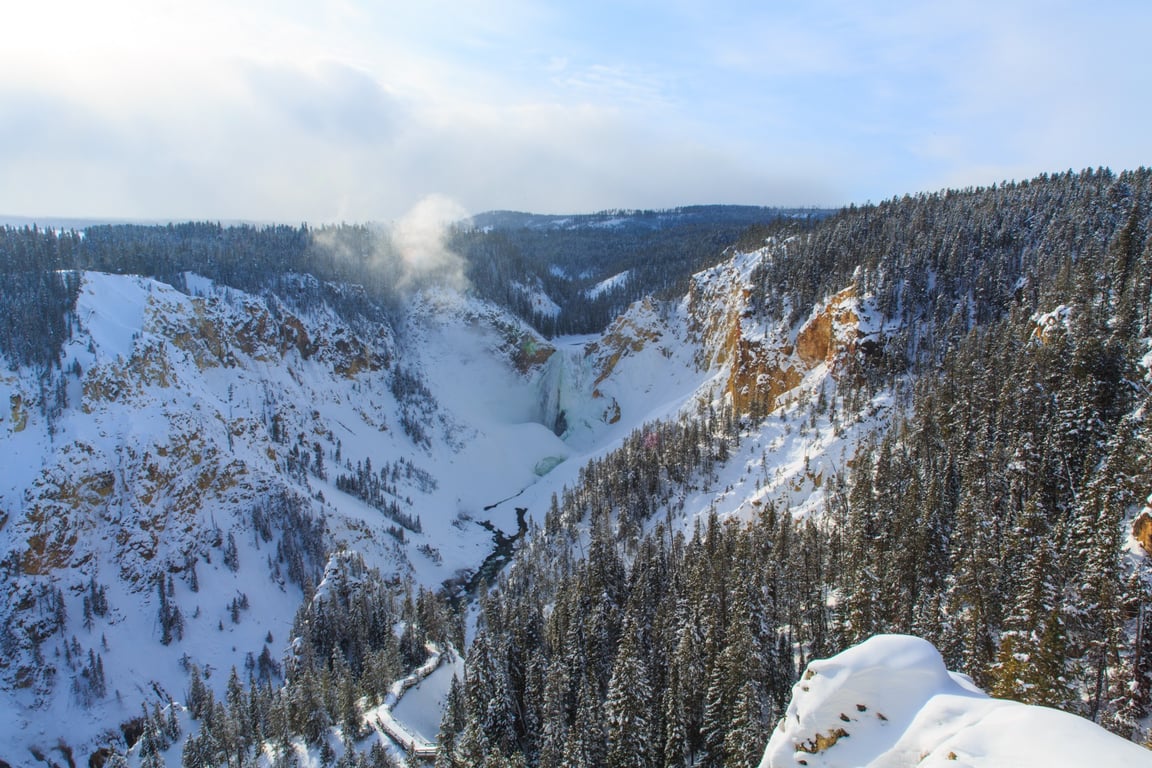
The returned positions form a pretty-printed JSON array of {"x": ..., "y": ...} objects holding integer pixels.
[{"x": 890, "y": 702}]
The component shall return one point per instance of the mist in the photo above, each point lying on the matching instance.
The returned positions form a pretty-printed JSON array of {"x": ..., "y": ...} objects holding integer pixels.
[
  {"x": 420, "y": 238},
  {"x": 398, "y": 259}
]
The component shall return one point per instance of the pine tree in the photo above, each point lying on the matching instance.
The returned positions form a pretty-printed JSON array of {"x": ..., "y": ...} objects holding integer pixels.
[
  {"x": 489, "y": 695},
  {"x": 743, "y": 669},
  {"x": 586, "y": 742},
  {"x": 1130, "y": 691},
  {"x": 1033, "y": 648},
  {"x": 452, "y": 724},
  {"x": 557, "y": 710},
  {"x": 627, "y": 711},
  {"x": 747, "y": 732},
  {"x": 677, "y": 751}
]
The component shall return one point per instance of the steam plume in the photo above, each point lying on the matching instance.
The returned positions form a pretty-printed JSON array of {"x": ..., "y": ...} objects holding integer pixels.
[{"x": 420, "y": 238}]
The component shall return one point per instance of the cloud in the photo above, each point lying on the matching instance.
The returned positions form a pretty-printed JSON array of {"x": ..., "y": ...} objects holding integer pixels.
[{"x": 330, "y": 101}]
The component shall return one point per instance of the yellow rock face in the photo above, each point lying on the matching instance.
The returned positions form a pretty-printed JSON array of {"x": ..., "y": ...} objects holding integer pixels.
[
  {"x": 765, "y": 366},
  {"x": 19, "y": 413},
  {"x": 624, "y": 337},
  {"x": 63, "y": 508},
  {"x": 197, "y": 335},
  {"x": 830, "y": 332},
  {"x": 759, "y": 374},
  {"x": 1142, "y": 530},
  {"x": 531, "y": 353},
  {"x": 353, "y": 358}
]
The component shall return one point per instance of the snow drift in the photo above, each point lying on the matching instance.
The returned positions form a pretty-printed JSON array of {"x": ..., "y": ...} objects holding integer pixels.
[{"x": 890, "y": 702}]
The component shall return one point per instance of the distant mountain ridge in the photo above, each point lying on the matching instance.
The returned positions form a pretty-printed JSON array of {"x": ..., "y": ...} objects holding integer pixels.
[{"x": 645, "y": 219}]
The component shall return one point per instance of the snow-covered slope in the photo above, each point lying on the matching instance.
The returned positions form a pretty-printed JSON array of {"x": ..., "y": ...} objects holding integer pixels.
[
  {"x": 161, "y": 497},
  {"x": 890, "y": 703},
  {"x": 166, "y": 494}
]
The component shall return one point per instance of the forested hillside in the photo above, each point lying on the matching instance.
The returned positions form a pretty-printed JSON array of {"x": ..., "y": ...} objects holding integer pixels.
[
  {"x": 991, "y": 514},
  {"x": 574, "y": 274}
]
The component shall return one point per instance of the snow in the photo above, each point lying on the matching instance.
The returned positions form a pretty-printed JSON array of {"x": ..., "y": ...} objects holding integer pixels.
[
  {"x": 1047, "y": 322},
  {"x": 889, "y": 702},
  {"x": 542, "y": 303},
  {"x": 492, "y": 450},
  {"x": 198, "y": 285},
  {"x": 158, "y": 434},
  {"x": 112, "y": 308},
  {"x": 609, "y": 284}
]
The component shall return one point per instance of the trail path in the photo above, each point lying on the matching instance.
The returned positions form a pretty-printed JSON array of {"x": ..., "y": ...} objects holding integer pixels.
[{"x": 382, "y": 721}]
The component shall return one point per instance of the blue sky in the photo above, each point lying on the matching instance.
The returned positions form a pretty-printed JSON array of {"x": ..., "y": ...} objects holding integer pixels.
[{"x": 354, "y": 110}]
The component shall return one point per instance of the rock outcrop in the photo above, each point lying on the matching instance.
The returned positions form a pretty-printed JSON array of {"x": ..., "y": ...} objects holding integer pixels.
[
  {"x": 1142, "y": 529},
  {"x": 765, "y": 359}
]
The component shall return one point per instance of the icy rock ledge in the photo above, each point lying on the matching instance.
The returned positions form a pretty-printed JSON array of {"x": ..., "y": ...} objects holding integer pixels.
[{"x": 890, "y": 702}]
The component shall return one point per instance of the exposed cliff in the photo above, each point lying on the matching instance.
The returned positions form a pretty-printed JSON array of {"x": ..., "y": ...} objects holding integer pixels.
[{"x": 764, "y": 359}]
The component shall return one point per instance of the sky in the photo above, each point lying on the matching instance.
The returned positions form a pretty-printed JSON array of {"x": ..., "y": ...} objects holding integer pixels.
[{"x": 361, "y": 110}]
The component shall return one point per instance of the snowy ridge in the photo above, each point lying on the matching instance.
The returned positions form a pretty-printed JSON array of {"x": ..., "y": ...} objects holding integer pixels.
[
  {"x": 608, "y": 284},
  {"x": 167, "y": 477},
  {"x": 890, "y": 703},
  {"x": 541, "y": 302},
  {"x": 178, "y": 472}
]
